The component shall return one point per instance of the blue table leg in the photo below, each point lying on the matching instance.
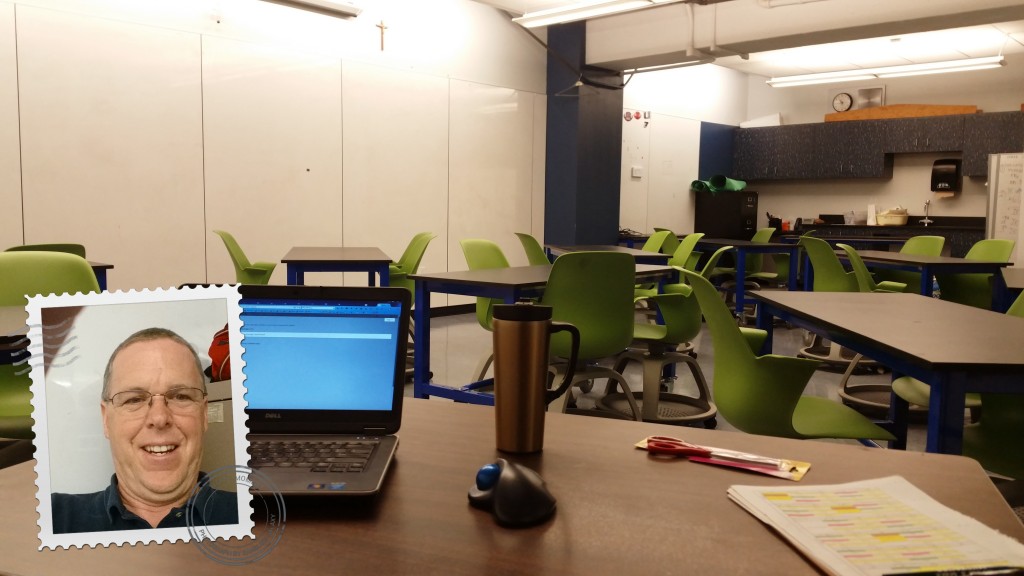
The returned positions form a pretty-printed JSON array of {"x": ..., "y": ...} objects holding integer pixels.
[
  {"x": 741, "y": 275},
  {"x": 421, "y": 336},
  {"x": 101, "y": 278},
  {"x": 295, "y": 275},
  {"x": 946, "y": 414},
  {"x": 794, "y": 264},
  {"x": 899, "y": 416},
  {"x": 926, "y": 281}
]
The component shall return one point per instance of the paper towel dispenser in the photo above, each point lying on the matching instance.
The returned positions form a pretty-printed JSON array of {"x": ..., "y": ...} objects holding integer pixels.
[{"x": 947, "y": 175}]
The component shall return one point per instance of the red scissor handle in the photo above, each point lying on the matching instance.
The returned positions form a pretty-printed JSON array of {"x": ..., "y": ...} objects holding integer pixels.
[{"x": 675, "y": 447}]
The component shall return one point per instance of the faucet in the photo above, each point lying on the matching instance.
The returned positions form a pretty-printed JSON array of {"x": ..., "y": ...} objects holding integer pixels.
[{"x": 926, "y": 221}]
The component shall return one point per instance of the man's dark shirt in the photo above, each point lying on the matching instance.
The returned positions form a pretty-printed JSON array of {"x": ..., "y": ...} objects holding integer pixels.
[{"x": 103, "y": 511}]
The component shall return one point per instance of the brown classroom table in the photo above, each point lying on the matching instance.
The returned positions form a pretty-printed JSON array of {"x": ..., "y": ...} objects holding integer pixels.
[{"x": 619, "y": 512}]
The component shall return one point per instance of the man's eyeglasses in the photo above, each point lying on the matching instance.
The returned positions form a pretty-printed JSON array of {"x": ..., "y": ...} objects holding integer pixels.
[{"x": 179, "y": 400}]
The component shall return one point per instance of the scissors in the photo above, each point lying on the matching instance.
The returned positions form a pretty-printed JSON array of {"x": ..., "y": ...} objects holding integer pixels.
[{"x": 675, "y": 447}]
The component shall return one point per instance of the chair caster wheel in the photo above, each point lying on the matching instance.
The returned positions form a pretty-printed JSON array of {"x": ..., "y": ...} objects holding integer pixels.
[
  {"x": 711, "y": 423},
  {"x": 587, "y": 386}
]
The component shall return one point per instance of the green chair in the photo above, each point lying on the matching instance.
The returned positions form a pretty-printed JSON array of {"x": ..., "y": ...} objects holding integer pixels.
[
  {"x": 764, "y": 394},
  {"x": 918, "y": 246},
  {"x": 481, "y": 255},
  {"x": 594, "y": 292},
  {"x": 28, "y": 274},
  {"x": 653, "y": 244},
  {"x": 975, "y": 289},
  {"x": 398, "y": 275},
  {"x": 829, "y": 276},
  {"x": 994, "y": 440},
  {"x": 865, "y": 280},
  {"x": 535, "y": 253},
  {"x": 683, "y": 257},
  {"x": 829, "y": 273},
  {"x": 409, "y": 263},
  {"x": 918, "y": 393},
  {"x": 671, "y": 242},
  {"x": 682, "y": 324},
  {"x": 871, "y": 396},
  {"x": 76, "y": 249},
  {"x": 754, "y": 263},
  {"x": 246, "y": 272}
]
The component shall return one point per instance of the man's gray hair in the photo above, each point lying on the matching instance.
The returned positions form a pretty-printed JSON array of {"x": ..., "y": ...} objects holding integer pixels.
[{"x": 146, "y": 335}]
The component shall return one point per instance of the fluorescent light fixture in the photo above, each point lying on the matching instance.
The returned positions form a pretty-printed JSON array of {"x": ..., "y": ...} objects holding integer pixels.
[
  {"x": 683, "y": 64},
  {"x": 340, "y": 7},
  {"x": 583, "y": 10},
  {"x": 964, "y": 65}
]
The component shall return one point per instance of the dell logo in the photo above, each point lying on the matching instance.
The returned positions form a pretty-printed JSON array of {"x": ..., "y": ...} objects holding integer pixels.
[{"x": 272, "y": 416}]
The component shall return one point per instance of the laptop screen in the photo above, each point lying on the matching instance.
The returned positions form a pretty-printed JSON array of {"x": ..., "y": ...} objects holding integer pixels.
[{"x": 323, "y": 358}]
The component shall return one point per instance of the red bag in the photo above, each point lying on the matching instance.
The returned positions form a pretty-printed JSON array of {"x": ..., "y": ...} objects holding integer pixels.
[{"x": 220, "y": 356}]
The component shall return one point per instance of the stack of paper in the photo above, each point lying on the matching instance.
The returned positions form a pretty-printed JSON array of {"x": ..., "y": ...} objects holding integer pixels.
[{"x": 877, "y": 527}]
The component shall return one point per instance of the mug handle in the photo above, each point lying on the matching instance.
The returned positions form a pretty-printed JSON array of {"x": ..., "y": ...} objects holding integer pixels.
[{"x": 552, "y": 395}]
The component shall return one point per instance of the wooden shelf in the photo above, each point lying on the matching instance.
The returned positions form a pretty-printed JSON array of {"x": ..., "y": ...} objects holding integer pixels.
[{"x": 900, "y": 111}]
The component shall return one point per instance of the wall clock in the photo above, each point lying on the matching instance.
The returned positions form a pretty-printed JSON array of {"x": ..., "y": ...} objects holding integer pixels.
[{"x": 842, "y": 102}]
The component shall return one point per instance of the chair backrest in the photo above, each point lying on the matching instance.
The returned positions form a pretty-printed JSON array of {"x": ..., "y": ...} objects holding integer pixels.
[
  {"x": 234, "y": 251},
  {"x": 924, "y": 245},
  {"x": 410, "y": 260},
  {"x": 480, "y": 255},
  {"x": 751, "y": 399},
  {"x": 594, "y": 292},
  {"x": 975, "y": 289},
  {"x": 682, "y": 254},
  {"x": 829, "y": 274},
  {"x": 864, "y": 279},
  {"x": 709, "y": 266},
  {"x": 535, "y": 253},
  {"x": 755, "y": 262},
  {"x": 656, "y": 241},
  {"x": 76, "y": 249},
  {"x": 31, "y": 273},
  {"x": 671, "y": 242},
  {"x": 409, "y": 263}
]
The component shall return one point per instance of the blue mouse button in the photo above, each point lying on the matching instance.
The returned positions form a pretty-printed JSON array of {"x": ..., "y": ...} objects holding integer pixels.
[{"x": 515, "y": 494}]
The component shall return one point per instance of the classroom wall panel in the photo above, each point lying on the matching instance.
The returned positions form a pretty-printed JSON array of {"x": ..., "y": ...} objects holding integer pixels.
[
  {"x": 273, "y": 154},
  {"x": 396, "y": 162},
  {"x": 540, "y": 119},
  {"x": 675, "y": 154},
  {"x": 492, "y": 163},
  {"x": 111, "y": 134},
  {"x": 635, "y": 176},
  {"x": 10, "y": 155}
]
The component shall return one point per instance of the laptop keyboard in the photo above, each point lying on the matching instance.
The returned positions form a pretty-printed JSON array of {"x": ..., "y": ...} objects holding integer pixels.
[{"x": 337, "y": 456}]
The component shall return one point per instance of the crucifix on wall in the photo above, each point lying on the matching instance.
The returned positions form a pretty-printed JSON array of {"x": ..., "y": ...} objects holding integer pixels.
[{"x": 382, "y": 29}]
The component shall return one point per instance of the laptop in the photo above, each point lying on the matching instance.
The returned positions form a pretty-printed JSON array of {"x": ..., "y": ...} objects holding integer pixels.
[{"x": 325, "y": 376}]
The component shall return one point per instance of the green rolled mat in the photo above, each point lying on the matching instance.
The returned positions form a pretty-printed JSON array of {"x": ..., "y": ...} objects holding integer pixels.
[
  {"x": 719, "y": 182},
  {"x": 699, "y": 186}
]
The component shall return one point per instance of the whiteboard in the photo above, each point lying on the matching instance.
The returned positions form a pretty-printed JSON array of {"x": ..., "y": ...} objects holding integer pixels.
[
  {"x": 10, "y": 154},
  {"x": 1007, "y": 200},
  {"x": 272, "y": 135},
  {"x": 112, "y": 150}
]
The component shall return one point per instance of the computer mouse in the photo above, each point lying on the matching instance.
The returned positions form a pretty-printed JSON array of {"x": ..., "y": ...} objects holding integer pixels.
[{"x": 516, "y": 495}]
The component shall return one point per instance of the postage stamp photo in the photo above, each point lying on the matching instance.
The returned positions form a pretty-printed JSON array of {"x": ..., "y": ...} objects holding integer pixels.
[{"x": 133, "y": 436}]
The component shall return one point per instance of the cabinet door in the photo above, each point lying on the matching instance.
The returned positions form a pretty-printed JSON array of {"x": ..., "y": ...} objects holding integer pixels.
[
  {"x": 755, "y": 153},
  {"x": 934, "y": 134},
  {"x": 852, "y": 150},
  {"x": 994, "y": 133}
]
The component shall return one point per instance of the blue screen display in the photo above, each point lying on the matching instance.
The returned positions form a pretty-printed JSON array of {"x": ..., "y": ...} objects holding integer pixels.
[{"x": 307, "y": 355}]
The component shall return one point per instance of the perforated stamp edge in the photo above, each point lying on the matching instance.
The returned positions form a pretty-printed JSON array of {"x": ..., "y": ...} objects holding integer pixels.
[{"x": 49, "y": 540}]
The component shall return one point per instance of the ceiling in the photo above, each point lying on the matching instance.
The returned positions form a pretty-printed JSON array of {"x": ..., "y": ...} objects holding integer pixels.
[{"x": 870, "y": 52}]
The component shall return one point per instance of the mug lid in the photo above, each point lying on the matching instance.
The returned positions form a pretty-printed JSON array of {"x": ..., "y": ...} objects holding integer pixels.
[{"x": 522, "y": 312}]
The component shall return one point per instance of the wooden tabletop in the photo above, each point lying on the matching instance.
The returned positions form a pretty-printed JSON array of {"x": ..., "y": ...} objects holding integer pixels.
[
  {"x": 1014, "y": 278},
  {"x": 321, "y": 254},
  {"x": 932, "y": 332},
  {"x": 743, "y": 243},
  {"x": 518, "y": 276},
  {"x": 619, "y": 510},
  {"x": 901, "y": 258}
]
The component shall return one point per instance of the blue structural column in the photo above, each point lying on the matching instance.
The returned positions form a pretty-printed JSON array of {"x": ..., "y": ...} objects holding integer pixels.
[{"x": 584, "y": 143}]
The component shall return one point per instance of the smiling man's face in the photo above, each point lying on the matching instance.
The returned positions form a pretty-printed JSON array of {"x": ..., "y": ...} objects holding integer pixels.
[{"x": 156, "y": 451}]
